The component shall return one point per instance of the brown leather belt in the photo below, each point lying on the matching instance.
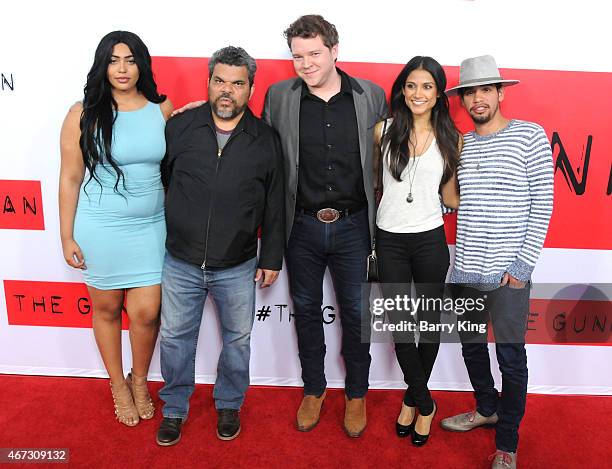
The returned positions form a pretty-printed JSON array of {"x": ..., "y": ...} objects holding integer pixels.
[{"x": 329, "y": 215}]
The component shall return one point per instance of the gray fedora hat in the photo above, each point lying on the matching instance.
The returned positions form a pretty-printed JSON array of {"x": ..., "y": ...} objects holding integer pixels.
[{"x": 478, "y": 71}]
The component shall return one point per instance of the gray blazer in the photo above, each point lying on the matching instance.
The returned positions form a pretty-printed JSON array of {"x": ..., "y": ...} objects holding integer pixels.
[{"x": 282, "y": 111}]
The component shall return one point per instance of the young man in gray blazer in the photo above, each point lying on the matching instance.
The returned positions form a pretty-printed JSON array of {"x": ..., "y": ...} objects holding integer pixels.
[{"x": 325, "y": 119}]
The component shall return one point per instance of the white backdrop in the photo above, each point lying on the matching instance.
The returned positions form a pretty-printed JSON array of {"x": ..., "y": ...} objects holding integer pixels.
[{"x": 48, "y": 50}]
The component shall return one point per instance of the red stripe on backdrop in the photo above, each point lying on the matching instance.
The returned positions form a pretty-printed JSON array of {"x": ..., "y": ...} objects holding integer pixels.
[
  {"x": 569, "y": 322},
  {"x": 569, "y": 105},
  {"x": 67, "y": 304},
  {"x": 22, "y": 207},
  {"x": 56, "y": 304}
]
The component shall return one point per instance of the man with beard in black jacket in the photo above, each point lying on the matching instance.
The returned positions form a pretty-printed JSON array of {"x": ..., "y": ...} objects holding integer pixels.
[{"x": 224, "y": 174}]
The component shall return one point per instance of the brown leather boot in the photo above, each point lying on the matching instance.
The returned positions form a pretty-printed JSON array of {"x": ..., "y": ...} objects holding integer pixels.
[
  {"x": 309, "y": 411},
  {"x": 354, "y": 416}
]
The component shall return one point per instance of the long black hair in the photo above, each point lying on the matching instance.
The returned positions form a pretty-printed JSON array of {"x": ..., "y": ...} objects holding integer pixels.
[
  {"x": 99, "y": 106},
  {"x": 447, "y": 135}
]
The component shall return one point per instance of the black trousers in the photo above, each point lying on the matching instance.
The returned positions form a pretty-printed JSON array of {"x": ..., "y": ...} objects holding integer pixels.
[{"x": 422, "y": 258}]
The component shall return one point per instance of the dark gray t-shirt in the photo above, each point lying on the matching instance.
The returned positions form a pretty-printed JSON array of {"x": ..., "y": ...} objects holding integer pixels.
[{"x": 222, "y": 137}]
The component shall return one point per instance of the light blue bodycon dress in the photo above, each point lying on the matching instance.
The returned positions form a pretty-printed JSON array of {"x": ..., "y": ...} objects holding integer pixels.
[{"x": 122, "y": 235}]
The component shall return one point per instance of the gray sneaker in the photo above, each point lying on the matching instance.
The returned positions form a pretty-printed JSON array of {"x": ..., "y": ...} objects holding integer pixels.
[
  {"x": 467, "y": 421},
  {"x": 503, "y": 460}
]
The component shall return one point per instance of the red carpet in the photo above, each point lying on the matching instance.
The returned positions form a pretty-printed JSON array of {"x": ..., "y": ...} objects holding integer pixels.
[{"x": 77, "y": 413}]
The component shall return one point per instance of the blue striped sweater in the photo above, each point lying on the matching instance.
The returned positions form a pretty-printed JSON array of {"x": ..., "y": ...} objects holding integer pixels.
[{"x": 506, "y": 186}]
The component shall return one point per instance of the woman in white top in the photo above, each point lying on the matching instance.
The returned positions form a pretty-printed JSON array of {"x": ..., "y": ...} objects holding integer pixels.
[{"x": 420, "y": 152}]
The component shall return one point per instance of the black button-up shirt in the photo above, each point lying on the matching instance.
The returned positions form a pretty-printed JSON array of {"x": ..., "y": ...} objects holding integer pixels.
[
  {"x": 216, "y": 200},
  {"x": 330, "y": 173}
]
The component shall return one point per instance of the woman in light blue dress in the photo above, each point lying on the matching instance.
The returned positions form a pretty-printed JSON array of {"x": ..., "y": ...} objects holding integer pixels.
[{"x": 111, "y": 208}]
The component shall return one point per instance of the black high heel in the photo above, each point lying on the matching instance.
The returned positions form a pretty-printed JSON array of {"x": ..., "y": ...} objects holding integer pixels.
[
  {"x": 417, "y": 438},
  {"x": 405, "y": 430}
]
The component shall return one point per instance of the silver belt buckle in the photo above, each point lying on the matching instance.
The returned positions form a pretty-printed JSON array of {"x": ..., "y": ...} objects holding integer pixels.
[{"x": 328, "y": 215}]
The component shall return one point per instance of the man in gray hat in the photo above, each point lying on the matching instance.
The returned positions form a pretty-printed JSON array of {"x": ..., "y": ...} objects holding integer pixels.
[{"x": 506, "y": 186}]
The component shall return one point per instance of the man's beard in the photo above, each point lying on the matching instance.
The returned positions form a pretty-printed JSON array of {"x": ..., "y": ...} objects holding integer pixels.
[
  {"x": 483, "y": 119},
  {"x": 227, "y": 114}
]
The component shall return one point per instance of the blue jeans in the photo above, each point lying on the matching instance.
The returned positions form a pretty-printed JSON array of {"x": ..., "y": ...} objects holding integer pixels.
[
  {"x": 508, "y": 309},
  {"x": 343, "y": 246},
  {"x": 185, "y": 287}
]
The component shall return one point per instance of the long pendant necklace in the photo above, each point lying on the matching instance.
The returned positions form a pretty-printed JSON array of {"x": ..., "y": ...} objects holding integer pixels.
[
  {"x": 417, "y": 158},
  {"x": 409, "y": 199}
]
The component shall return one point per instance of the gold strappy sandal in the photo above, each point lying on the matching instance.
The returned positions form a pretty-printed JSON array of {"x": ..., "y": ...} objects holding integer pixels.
[
  {"x": 125, "y": 410},
  {"x": 140, "y": 393}
]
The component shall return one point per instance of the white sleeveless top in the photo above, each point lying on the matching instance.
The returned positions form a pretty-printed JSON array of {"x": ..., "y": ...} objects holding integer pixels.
[{"x": 394, "y": 213}]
